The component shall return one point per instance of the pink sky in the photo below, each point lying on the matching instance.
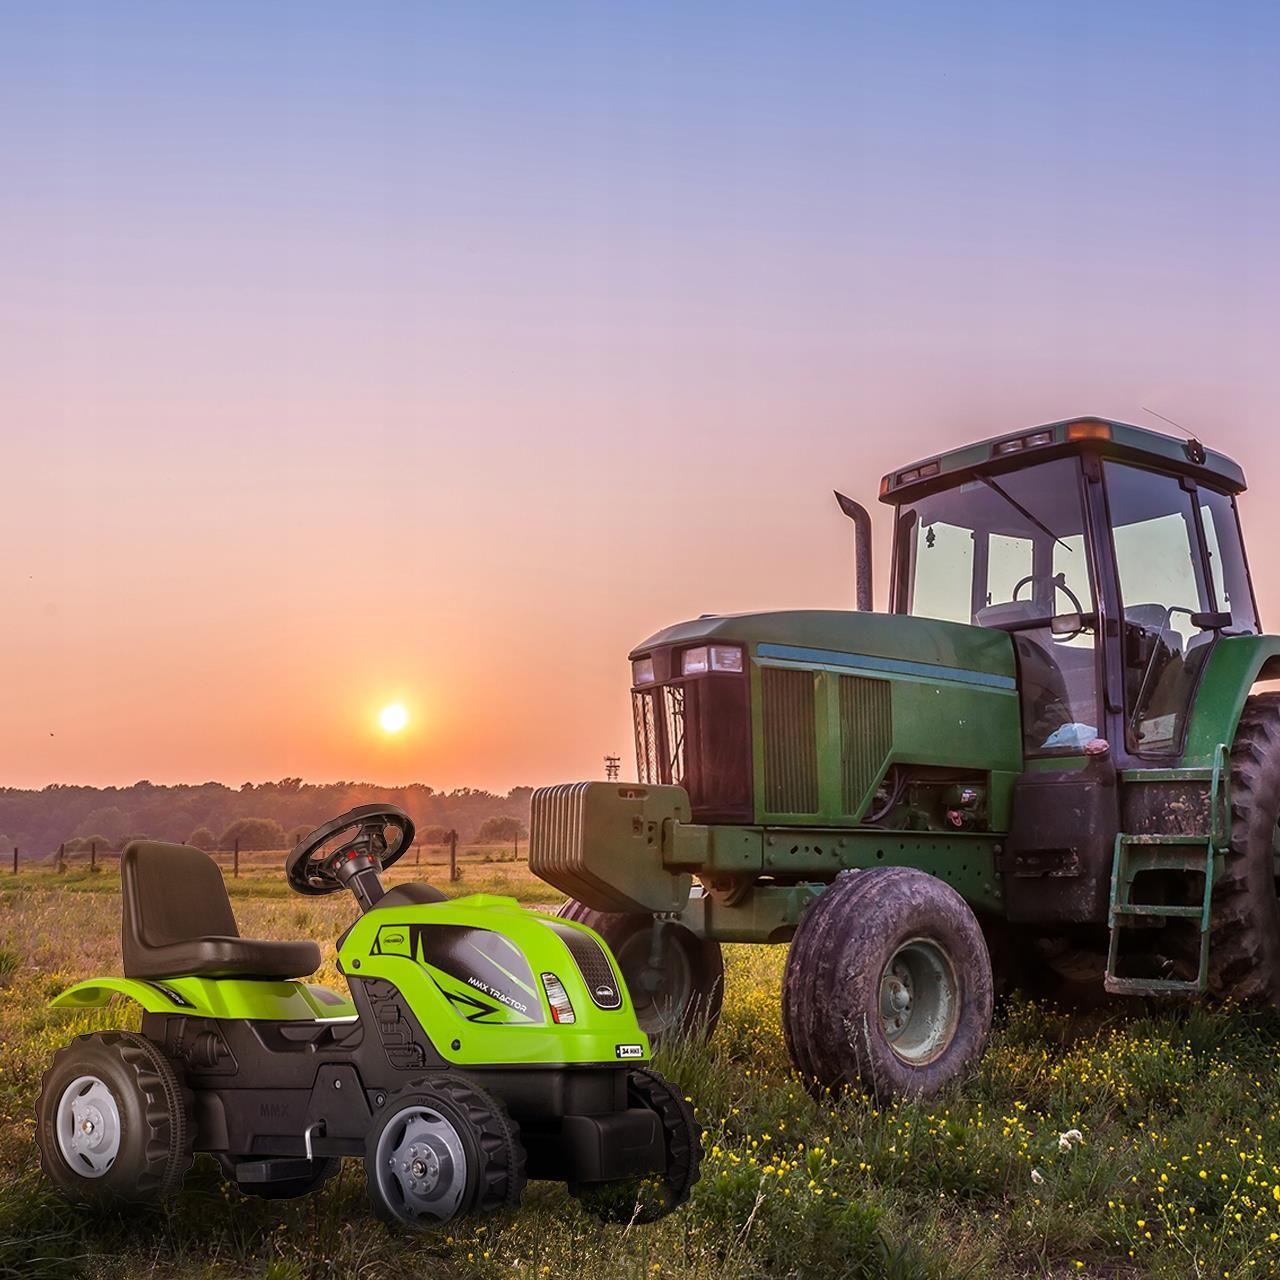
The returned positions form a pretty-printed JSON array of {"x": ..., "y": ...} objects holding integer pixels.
[{"x": 416, "y": 366}]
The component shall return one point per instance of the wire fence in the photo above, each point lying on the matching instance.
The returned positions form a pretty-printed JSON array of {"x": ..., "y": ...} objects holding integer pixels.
[{"x": 453, "y": 855}]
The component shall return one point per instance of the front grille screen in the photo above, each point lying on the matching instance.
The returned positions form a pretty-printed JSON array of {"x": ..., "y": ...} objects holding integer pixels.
[
  {"x": 790, "y": 743},
  {"x": 647, "y": 750},
  {"x": 593, "y": 965}
]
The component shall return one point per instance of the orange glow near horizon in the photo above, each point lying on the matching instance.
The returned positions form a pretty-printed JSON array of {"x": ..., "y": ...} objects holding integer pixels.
[{"x": 442, "y": 359}]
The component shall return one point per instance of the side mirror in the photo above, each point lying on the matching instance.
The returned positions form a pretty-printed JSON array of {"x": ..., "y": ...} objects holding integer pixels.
[{"x": 1210, "y": 621}]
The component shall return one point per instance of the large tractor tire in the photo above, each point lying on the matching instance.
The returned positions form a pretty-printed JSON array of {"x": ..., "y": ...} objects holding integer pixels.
[
  {"x": 679, "y": 996},
  {"x": 887, "y": 985},
  {"x": 1244, "y": 945}
]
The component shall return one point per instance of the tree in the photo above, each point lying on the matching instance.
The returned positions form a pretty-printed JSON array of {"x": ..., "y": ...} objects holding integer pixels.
[
  {"x": 203, "y": 838},
  {"x": 500, "y": 831},
  {"x": 254, "y": 833},
  {"x": 435, "y": 835}
]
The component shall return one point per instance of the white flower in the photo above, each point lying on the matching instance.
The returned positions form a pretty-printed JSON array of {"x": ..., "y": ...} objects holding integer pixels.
[
  {"x": 1037, "y": 1177},
  {"x": 1068, "y": 1140}
]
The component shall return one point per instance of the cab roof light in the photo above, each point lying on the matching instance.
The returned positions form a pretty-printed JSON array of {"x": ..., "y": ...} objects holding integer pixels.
[{"x": 1089, "y": 431}]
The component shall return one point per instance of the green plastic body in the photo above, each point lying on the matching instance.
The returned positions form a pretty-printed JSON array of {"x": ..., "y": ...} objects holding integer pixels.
[{"x": 473, "y": 1014}]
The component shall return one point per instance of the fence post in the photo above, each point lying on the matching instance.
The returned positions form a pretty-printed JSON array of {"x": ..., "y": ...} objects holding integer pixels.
[
  {"x": 93, "y": 856},
  {"x": 453, "y": 855},
  {"x": 515, "y": 849},
  {"x": 62, "y": 858},
  {"x": 417, "y": 853},
  {"x": 15, "y": 859},
  {"x": 235, "y": 872}
]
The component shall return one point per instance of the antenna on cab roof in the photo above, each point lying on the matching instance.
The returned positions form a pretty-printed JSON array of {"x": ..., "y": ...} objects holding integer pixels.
[{"x": 1195, "y": 450}]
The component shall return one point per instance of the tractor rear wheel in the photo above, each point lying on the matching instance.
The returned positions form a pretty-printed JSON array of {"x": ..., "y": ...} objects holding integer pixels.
[
  {"x": 1244, "y": 945},
  {"x": 887, "y": 984},
  {"x": 113, "y": 1123},
  {"x": 678, "y": 988}
]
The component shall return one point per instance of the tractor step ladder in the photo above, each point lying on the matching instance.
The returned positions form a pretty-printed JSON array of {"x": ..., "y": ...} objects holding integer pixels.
[{"x": 1188, "y": 854}]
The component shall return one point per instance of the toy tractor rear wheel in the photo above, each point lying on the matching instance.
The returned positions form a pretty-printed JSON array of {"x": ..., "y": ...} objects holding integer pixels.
[
  {"x": 646, "y": 1200},
  {"x": 887, "y": 984},
  {"x": 676, "y": 986},
  {"x": 442, "y": 1148},
  {"x": 1244, "y": 948},
  {"x": 113, "y": 1122}
]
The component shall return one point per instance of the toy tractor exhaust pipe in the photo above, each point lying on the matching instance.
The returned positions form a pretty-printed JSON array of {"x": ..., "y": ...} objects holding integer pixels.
[{"x": 861, "y": 549}]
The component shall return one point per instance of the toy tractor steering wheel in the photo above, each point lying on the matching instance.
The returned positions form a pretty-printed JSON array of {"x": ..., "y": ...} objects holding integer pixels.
[{"x": 349, "y": 853}]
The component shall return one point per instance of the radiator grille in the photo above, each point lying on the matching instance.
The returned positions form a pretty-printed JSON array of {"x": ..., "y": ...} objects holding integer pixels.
[
  {"x": 790, "y": 747},
  {"x": 593, "y": 965},
  {"x": 866, "y": 736}
]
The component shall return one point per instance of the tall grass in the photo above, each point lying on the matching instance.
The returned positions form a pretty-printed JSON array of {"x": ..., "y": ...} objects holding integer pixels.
[{"x": 1139, "y": 1145}]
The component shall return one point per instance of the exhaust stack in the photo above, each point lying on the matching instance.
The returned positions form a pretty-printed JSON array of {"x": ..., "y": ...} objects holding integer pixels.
[{"x": 861, "y": 549}]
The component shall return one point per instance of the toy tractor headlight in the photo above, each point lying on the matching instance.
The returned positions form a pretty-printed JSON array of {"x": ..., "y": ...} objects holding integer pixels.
[{"x": 558, "y": 999}]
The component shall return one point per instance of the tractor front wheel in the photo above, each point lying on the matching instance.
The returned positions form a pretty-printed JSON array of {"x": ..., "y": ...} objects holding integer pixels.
[
  {"x": 675, "y": 979},
  {"x": 887, "y": 984}
]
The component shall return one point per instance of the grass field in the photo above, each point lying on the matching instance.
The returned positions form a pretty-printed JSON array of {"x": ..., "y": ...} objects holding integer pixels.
[{"x": 1117, "y": 1146}]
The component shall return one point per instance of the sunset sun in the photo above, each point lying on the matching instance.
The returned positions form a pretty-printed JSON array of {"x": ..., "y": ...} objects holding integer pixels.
[{"x": 393, "y": 718}]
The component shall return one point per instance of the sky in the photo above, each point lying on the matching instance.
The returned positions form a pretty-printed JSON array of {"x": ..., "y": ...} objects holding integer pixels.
[{"x": 440, "y": 353}]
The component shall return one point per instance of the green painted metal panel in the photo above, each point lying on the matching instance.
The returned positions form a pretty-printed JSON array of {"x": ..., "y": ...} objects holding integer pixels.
[
  {"x": 1236, "y": 664},
  {"x": 770, "y": 911}
]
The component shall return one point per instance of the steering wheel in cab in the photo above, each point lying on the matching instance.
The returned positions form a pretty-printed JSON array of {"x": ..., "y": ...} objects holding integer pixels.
[
  {"x": 350, "y": 853},
  {"x": 1056, "y": 582}
]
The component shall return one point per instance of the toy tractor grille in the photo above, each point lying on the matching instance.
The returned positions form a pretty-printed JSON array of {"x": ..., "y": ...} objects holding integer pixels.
[
  {"x": 790, "y": 743},
  {"x": 866, "y": 737},
  {"x": 593, "y": 965}
]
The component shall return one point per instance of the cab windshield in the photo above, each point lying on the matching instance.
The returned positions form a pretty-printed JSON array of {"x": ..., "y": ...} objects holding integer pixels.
[{"x": 1010, "y": 552}]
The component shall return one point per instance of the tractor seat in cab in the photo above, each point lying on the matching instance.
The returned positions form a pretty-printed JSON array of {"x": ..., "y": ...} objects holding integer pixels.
[{"x": 178, "y": 922}]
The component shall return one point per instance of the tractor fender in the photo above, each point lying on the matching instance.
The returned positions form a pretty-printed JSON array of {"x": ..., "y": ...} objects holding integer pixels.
[
  {"x": 213, "y": 998},
  {"x": 97, "y": 992},
  {"x": 1235, "y": 666}
]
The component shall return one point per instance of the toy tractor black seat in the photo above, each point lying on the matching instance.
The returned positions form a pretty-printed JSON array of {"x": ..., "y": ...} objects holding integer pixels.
[{"x": 177, "y": 921}]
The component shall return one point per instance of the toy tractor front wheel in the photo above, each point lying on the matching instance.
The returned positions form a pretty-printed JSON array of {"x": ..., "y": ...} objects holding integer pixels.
[
  {"x": 112, "y": 1121},
  {"x": 675, "y": 979},
  {"x": 442, "y": 1148},
  {"x": 648, "y": 1199},
  {"x": 887, "y": 984}
]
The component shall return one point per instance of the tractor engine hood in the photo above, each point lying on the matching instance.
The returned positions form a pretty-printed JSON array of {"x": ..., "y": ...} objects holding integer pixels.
[{"x": 883, "y": 643}]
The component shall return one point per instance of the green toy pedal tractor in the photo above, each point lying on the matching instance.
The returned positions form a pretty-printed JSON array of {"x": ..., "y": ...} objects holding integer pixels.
[{"x": 482, "y": 1045}]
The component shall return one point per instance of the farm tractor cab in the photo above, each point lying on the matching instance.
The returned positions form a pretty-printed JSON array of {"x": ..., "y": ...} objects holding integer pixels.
[{"x": 1049, "y": 753}]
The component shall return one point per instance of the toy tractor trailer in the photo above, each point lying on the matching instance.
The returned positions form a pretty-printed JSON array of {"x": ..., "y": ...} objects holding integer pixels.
[{"x": 1050, "y": 752}]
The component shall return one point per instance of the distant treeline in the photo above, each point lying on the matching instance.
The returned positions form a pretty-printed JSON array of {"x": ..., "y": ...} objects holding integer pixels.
[{"x": 265, "y": 815}]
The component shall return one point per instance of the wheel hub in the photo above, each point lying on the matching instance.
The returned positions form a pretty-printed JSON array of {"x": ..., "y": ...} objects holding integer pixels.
[
  {"x": 919, "y": 1001},
  {"x": 421, "y": 1165},
  {"x": 88, "y": 1126}
]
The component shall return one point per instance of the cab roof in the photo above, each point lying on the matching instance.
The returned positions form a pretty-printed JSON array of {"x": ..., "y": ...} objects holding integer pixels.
[{"x": 1018, "y": 449}]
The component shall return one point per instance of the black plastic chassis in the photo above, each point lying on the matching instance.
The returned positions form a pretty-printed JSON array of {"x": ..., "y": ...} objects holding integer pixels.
[{"x": 267, "y": 1096}]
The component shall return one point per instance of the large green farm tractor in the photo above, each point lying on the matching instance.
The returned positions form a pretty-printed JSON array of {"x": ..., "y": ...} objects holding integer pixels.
[{"x": 1050, "y": 754}]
